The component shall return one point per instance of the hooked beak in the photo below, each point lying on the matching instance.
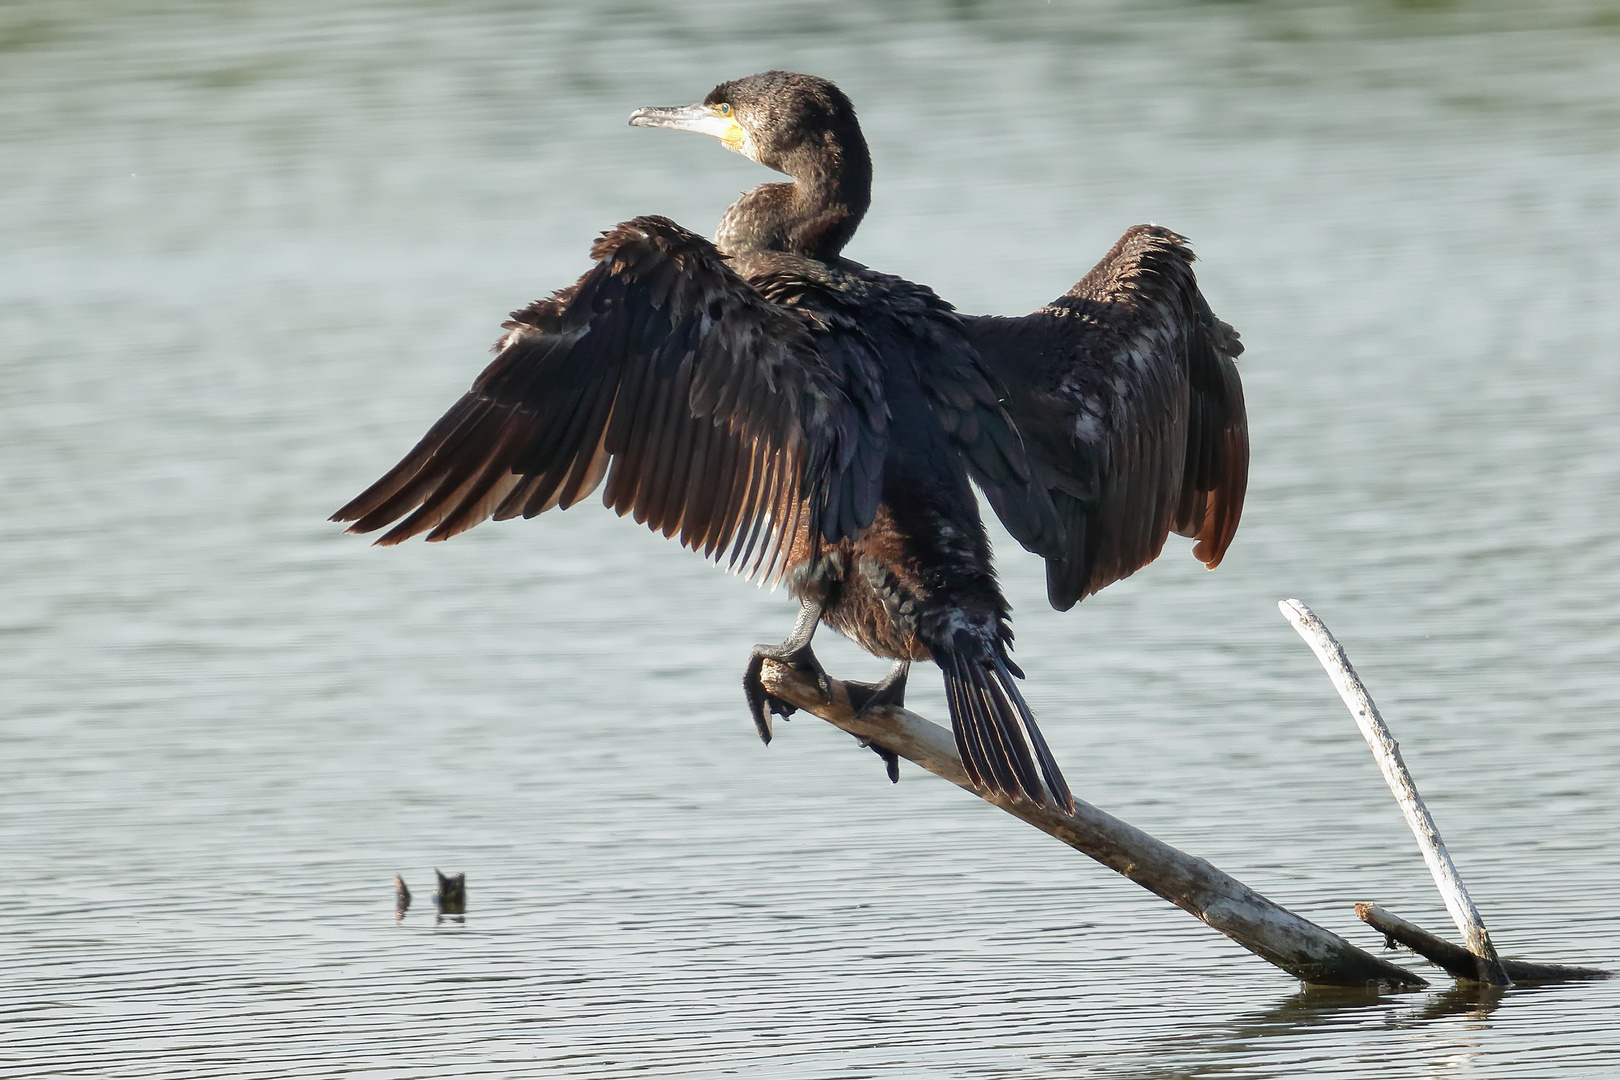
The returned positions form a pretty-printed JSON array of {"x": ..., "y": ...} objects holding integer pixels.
[{"x": 699, "y": 118}]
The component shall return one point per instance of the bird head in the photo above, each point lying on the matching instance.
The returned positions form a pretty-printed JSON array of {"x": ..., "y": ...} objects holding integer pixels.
[{"x": 773, "y": 118}]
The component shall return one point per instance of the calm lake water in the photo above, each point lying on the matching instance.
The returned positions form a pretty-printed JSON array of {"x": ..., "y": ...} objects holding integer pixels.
[{"x": 253, "y": 249}]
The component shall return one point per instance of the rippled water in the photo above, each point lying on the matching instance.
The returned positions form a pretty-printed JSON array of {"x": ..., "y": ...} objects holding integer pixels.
[{"x": 251, "y": 250}]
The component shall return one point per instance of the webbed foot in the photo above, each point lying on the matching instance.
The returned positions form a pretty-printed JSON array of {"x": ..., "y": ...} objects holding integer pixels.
[
  {"x": 795, "y": 652},
  {"x": 890, "y": 691}
]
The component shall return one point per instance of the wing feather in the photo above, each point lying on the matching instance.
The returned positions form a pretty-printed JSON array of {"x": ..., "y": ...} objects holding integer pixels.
[
  {"x": 707, "y": 408},
  {"x": 1129, "y": 402}
]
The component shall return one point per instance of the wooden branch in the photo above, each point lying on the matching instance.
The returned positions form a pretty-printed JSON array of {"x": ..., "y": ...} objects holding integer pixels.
[
  {"x": 1268, "y": 930},
  {"x": 1458, "y": 960},
  {"x": 1487, "y": 965}
]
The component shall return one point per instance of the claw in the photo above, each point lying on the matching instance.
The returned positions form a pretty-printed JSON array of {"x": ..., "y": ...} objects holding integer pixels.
[
  {"x": 795, "y": 651},
  {"x": 761, "y": 701},
  {"x": 891, "y": 760},
  {"x": 811, "y": 666}
]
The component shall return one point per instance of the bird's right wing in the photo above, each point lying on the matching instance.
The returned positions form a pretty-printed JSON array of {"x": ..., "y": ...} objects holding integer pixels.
[
  {"x": 710, "y": 411},
  {"x": 1129, "y": 402}
]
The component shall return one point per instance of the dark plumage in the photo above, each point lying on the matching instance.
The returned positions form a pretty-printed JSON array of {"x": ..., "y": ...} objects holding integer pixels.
[
  {"x": 807, "y": 420},
  {"x": 1131, "y": 409}
]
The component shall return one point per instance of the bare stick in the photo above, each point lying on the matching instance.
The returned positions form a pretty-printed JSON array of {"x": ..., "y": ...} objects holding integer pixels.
[
  {"x": 1488, "y": 967},
  {"x": 1458, "y": 960},
  {"x": 1273, "y": 933}
]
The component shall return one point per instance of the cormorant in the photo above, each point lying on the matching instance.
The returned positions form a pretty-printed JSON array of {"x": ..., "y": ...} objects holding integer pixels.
[{"x": 807, "y": 420}]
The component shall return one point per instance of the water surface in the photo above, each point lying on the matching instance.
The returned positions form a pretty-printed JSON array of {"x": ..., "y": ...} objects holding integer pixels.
[{"x": 252, "y": 250}]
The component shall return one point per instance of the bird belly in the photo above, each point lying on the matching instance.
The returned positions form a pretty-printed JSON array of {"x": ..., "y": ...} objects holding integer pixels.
[
  {"x": 870, "y": 591},
  {"x": 877, "y": 610}
]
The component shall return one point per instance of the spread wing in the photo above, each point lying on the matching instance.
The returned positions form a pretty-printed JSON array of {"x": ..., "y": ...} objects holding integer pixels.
[
  {"x": 710, "y": 411},
  {"x": 1130, "y": 405}
]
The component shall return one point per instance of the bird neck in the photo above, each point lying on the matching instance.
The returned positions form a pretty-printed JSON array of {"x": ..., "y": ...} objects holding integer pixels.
[{"x": 815, "y": 215}]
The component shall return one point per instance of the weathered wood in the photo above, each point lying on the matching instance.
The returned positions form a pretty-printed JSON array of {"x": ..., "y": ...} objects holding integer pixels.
[
  {"x": 1266, "y": 929},
  {"x": 1458, "y": 960},
  {"x": 1387, "y": 752}
]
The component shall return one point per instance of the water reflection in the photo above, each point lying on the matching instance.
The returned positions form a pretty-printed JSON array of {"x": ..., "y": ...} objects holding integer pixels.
[
  {"x": 1329, "y": 1004},
  {"x": 1475, "y": 1000},
  {"x": 1453, "y": 1025}
]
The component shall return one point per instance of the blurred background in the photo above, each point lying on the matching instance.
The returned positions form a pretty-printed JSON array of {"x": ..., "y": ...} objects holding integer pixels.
[{"x": 251, "y": 250}]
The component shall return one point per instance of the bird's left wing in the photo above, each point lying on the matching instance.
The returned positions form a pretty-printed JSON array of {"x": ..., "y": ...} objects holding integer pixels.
[
  {"x": 709, "y": 410},
  {"x": 1129, "y": 402}
]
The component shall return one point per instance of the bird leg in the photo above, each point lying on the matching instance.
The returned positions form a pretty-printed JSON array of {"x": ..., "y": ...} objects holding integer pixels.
[
  {"x": 795, "y": 651},
  {"x": 890, "y": 691}
]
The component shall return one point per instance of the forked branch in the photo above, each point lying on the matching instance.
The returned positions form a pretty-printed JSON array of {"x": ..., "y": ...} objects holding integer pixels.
[
  {"x": 1458, "y": 960},
  {"x": 1266, "y": 929},
  {"x": 1479, "y": 961}
]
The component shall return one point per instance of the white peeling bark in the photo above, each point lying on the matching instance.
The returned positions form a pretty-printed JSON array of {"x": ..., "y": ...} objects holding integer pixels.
[
  {"x": 1268, "y": 930},
  {"x": 1488, "y": 966}
]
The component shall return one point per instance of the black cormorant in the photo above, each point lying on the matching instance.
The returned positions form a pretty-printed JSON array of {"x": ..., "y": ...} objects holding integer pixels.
[{"x": 807, "y": 420}]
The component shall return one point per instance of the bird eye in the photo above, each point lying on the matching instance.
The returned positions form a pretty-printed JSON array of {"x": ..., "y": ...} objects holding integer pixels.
[{"x": 723, "y": 109}]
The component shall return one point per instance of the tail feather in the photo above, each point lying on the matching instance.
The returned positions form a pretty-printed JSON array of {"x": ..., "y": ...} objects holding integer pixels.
[
  {"x": 1010, "y": 743},
  {"x": 968, "y": 742},
  {"x": 983, "y": 740},
  {"x": 1002, "y": 748},
  {"x": 1056, "y": 786}
]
